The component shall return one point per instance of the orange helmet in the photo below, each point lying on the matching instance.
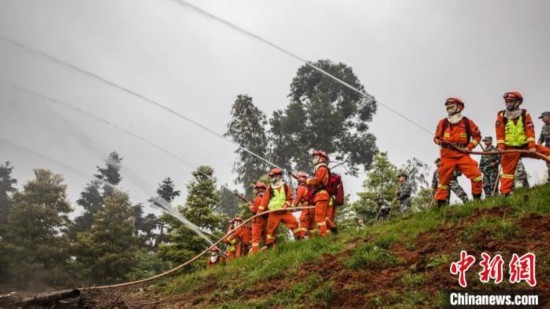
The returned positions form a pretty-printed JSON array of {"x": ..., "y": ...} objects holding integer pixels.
[
  {"x": 275, "y": 171},
  {"x": 302, "y": 176},
  {"x": 320, "y": 153},
  {"x": 455, "y": 100},
  {"x": 237, "y": 218},
  {"x": 215, "y": 249},
  {"x": 260, "y": 185},
  {"x": 513, "y": 95}
]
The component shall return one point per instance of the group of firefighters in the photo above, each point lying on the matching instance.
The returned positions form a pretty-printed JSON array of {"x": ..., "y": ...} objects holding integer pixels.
[
  {"x": 456, "y": 135},
  {"x": 277, "y": 197}
]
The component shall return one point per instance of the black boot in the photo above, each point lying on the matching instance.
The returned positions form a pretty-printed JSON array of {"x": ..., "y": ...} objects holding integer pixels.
[
  {"x": 477, "y": 197},
  {"x": 334, "y": 230},
  {"x": 441, "y": 203}
]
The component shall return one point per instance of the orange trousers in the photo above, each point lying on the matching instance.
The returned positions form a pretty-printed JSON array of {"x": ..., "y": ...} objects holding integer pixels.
[
  {"x": 509, "y": 162},
  {"x": 323, "y": 211},
  {"x": 467, "y": 166},
  {"x": 307, "y": 222},
  {"x": 259, "y": 232},
  {"x": 273, "y": 221}
]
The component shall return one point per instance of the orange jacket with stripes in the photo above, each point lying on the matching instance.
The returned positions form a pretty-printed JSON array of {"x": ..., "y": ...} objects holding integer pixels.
[
  {"x": 457, "y": 135},
  {"x": 320, "y": 177},
  {"x": 256, "y": 202},
  {"x": 500, "y": 128}
]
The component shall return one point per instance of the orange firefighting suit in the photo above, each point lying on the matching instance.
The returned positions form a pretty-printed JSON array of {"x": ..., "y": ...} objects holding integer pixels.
[
  {"x": 237, "y": 242},
  {"x": 277, "y": 198},
  {"x": 259, "y": 224},
  {"x": 515, "y": 133},
  {"x": 321, "y": 199},
  {"x": 452, "y": 159},
  {"x": 307, "y": 216}
]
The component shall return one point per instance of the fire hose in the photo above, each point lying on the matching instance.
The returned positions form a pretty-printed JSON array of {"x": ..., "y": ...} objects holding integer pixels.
[{"x": 194, "y": 258}]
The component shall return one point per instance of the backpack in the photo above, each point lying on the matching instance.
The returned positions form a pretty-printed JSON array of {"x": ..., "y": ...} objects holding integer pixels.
[
  {"x": 466, "y": 122},
  {"x": 335, "y": 188}
]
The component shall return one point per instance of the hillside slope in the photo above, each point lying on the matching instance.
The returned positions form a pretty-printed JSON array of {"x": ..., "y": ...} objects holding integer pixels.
[{"x": 400, "y": 262}]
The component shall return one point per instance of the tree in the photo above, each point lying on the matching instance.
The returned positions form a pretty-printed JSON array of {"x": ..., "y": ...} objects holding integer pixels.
[
  {"x": 168, "y": 193},
  {"x": 324, "y": 114},
  {"x": 246, "y": 128},
  {"x": 106, "y": 253},
  {"x": 228, "y": 203},
  {"x": 381, "y": 180},
  {"x": 418, "y": 173},
  {"x": 92, "y": 198},
  {"x": 110, "y": 174},
  {"x": 184, "y": 243},
  {"x": 7, "y": 188},
  {"x": 35, "y": 239}
]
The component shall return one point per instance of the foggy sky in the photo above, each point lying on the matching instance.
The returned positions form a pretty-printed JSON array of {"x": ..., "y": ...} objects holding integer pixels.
[{"x": 411, "y": 55}]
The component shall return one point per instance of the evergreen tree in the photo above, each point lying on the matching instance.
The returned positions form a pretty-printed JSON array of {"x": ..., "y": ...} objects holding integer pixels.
[
  {"x": 246, "y": 128},
  {"x": 184, "y": 243},
  {"x": 7, "y": 188},
  {"x": 92, "y": 201},
  {"x": 167, "y": 191},
  {"x": 228, "y": 203},
  {"x": 324, "y": 114},
  {"x": 92, "y": 198},
  {"x": 35, "y": 240},
  {"x": 106, "y": 253},
  {"x": 110, "y": 174}
]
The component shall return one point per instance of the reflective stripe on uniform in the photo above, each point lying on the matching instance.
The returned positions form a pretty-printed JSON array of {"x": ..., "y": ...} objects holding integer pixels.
[
  {"x": 270, "y": 237},
  {"x": 443, "y": 187},
  {"x": 255, "y": 244},
  {"x": 508, "y": 176},
  {"x": 321, "y": 223},
  {"x": 479, "y": 178}
]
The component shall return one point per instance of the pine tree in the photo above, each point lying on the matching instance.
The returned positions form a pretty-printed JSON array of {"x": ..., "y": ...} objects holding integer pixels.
[
  {"x": 6, "y": 190},
  {"x": 167, "y": 191},
  {"x": 106, "y": 253},
  {"x": 184, "y": 243},
  {"x": 92, "y": 198},
  {"x": 35, "y": 239},
  {"x": 246, "y": 128},
  {"x": 110, "y": 174}
]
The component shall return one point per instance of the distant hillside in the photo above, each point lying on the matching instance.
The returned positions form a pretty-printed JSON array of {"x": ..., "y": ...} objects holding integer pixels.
[{"x": 401, "y": 262}]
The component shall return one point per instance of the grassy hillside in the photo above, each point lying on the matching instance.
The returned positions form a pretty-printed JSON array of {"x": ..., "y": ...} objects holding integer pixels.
[{"x": 400, "y": 262}]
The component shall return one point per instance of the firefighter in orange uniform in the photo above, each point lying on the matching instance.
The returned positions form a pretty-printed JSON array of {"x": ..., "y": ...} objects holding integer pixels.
[
  {"x": 215, "y": 257},
  {"x": 237, "y": 241},
  {"x": 307, "y": 216},
  {"x": 452, "y": 133},
  {"x": 259, "y": 224},
  {"x": 277, "y": 197},
  {"x": 320, "y": 197},
  {"x": 515, "y": 130}
]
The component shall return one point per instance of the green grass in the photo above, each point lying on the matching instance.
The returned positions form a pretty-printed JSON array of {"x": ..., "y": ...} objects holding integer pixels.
[{"x": 234, "y": 285}]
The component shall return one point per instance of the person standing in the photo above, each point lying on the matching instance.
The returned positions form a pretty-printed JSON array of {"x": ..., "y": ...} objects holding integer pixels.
[
  {"x": 403, "y": 194},
  {"x": 307, "y": 216},
  {"x": 320, "y": 196},
  {"x": 259, "y": 224},
  {"x": 278, "y": 197},
  {"x": 544, "y": 138},
  {"x": 457, "y": 136},
  {"x": 488, "y": 165},
  {"x": 515, "y": 131}
]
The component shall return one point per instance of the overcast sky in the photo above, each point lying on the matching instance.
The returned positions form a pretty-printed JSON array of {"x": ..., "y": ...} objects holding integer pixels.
[{"x": 411, "y": 55}]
